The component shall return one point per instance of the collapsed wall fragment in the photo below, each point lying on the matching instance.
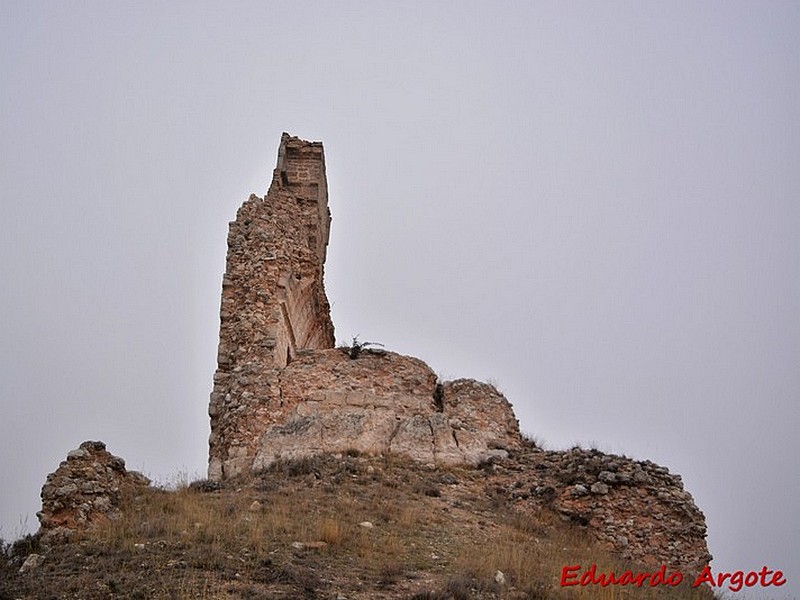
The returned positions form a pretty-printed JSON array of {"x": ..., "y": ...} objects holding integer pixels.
[{"x": 86, "y": 488}]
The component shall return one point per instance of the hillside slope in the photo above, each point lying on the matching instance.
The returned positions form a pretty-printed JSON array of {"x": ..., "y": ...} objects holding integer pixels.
[{"x": 333, "y": 526}]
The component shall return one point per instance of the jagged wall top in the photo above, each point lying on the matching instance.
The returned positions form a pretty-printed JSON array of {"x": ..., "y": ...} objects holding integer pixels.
[{"x": 301, "y": 168}]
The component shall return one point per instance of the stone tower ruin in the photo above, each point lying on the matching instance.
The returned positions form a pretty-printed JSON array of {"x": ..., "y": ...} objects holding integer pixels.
[
  {"x": 282, "y": 390},
  {"x": 273, "y": 301}
]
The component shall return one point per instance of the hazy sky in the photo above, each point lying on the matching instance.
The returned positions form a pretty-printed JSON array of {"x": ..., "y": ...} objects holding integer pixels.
[{"x": 594, "y": 205}]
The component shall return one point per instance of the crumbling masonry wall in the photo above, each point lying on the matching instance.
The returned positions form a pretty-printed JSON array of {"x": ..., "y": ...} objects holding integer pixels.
[
  {"x": 86, "y": 489},
  {"x": 281, "y": 390},
  {"x": 273, "y": 302},
  {"x": 384, "y": 402}
]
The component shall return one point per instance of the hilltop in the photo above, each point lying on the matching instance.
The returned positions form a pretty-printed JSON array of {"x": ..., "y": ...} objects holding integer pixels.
[{"x": 347, "y": 526}]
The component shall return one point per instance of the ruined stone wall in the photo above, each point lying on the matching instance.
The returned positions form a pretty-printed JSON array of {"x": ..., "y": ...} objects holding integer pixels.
[
  {"x": 273, "y": 301},
  {"x": 384, "y": 402},
  {"x": 275, "y": 398},
  {"x": 282, "y": 390},
  {"x": 85, "y": 489},
  {"x": 638, "y": 509}
]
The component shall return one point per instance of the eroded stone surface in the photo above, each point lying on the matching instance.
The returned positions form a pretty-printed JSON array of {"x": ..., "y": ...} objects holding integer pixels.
[
  {"x": 273, "y": 302},
  {"x": 84, "y": 489},
  {"x": 384, "y": 402}
]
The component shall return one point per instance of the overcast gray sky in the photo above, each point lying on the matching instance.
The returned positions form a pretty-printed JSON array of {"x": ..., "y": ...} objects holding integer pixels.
[{"x": 594, "y": 205}]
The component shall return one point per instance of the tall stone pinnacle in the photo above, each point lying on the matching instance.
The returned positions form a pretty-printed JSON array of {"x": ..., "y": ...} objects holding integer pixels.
[{"x": 273, "y": 301}]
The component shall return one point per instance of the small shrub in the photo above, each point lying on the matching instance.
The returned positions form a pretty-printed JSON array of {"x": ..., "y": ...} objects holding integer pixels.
[
  {"x": 356, "y": 348},
  {"x": 6, "y": 564},
  {"x": 205, "y": 486},
  {"x": 307, "y": 465},
  {"x": 448, "y": 479},
  {"x": 533, "y": 441},
  {"x": 430, "y": 595},
  {"x": 301, "y": 577},
  {"x": 389, "y": 575},
  {"x": 492, "y": 381},
  {"x": 487, "y": 465},
  {"x": 438, "y": 397},
  {"x": 460, "y": 587},
  {"x": 30, "y": 544},
  {"x": 331, "y": 531}
]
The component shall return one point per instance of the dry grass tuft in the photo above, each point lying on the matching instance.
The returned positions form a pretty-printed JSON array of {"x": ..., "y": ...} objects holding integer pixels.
[{"x": 331, "y": 531}]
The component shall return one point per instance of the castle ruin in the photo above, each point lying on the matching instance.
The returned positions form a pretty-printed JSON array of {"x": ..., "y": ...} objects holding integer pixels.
[{"x": 282, "y": 390}]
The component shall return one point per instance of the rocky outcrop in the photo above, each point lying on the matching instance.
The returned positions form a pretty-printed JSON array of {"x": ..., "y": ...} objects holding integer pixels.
[
  {"x": 384, "y": 402},
  {"x": 85, "y": 489},
  {"x": 637, "y": 508}
]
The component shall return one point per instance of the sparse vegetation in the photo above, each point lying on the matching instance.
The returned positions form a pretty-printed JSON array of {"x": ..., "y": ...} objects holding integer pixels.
[
  {"x": 6, "y": 564},
  {"x": 356, "y": 348},
  {"x": 495, "y": 383},
  {"x": 298, "y": 531}
]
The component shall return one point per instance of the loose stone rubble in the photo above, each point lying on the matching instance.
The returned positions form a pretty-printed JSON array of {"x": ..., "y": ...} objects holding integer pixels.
[
  {"x": 637, "y": 509},
  {"x": 85, "y": 489}
]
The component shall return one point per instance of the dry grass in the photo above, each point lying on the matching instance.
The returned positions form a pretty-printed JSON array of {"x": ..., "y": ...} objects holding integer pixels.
[
  {"x": 531, "y": 554},
  {"x": 429, "y": 540}
]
